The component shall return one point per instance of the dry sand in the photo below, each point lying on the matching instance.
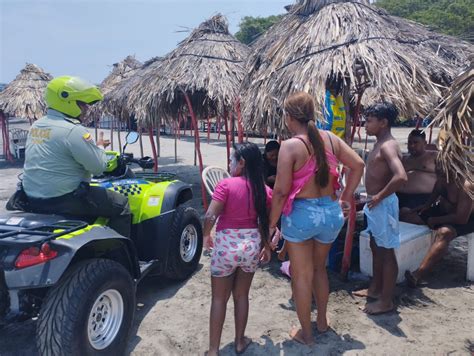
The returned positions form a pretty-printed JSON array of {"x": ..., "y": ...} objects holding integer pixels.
[{"x": 172, "y": 318}]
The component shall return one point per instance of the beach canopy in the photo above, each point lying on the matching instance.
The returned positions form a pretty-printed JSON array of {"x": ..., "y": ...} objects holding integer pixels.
[
  {"x": 208, "y": 66},
  {"x": 456, "y": 121},
  {"x": 24, "y": 96},
  {"x": 120, "y": 72},
  {"x": 353, "y": 43},
  {"x": 116, "y": 100}
]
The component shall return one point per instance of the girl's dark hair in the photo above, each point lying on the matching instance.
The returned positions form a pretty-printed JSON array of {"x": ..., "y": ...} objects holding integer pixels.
[
  {"x": 253, "y": 171},
  {"x": 300, "y": 106}
]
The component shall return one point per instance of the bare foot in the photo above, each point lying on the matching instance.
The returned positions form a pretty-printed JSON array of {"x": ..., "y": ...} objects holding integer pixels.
[
  {"x": 322, "y": 324},
  {"x": 297, "y": 335},
  {"x": 211, "y": 353},
  {"x": 242, "y": 345},
  {"x": 378, "y": 307},
  {"x": 366, "y": 293}
]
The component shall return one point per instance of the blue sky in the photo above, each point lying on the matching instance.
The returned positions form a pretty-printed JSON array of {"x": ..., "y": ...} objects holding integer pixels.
[{"x": 85, "y": 37}]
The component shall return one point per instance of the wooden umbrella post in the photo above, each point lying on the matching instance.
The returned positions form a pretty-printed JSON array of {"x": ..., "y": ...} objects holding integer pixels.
[
  {"x": 119, "y": 131},
  {"x": 153, "y": 148},
  {"x": 198, "y": 146},
  {"x": 208, "y": 128},
  {"x": 232, "y": 127},
  {"x": 112, "y": 134},
  {"x": 158, "y": 133},
  {"x": 218, "y": 127},
  {"x": 240, "y": 126},
  {"x": 176, "y": 128},
  {"x": 140, "y": 130},
  {"x": 5, "y": 138},
  {"x": 431, "y": 134},
  {"x": 96, "y": 128},
  {"x": 227, "y": 141}
]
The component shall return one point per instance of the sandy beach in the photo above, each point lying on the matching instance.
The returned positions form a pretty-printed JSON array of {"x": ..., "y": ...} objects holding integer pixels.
[{"x": 172, "y": 318}]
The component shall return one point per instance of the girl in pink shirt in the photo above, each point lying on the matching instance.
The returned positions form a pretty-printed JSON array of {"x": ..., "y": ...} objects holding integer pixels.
[{"x": 240, "y": 243}]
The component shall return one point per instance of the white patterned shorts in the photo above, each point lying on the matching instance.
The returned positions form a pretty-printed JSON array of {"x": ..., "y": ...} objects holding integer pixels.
[{"x": 235, "y": 248}]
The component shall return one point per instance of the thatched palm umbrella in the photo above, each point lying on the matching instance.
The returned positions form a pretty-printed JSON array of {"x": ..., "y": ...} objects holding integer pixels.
[
  {"x": 201, "y": 76},
  {"x": 116, "y": 100},
  {"x": 456, "y": 120},
  {"x": 120, "y": 72},
  {"x": 24, "y": 98},
  {"x": 356, "y": 44}
]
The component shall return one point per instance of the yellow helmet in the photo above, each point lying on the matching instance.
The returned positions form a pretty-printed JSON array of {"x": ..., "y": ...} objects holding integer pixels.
[{"x": 63, "y": 93}]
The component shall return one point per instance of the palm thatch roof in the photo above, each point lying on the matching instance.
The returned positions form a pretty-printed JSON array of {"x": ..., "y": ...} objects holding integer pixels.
[
  {"x": 456, "y": 120},
  {"x": 24, "y": 96},
  {"x": 119, "y": 73},
  {"x": 358, "y": 44},
  {"x": 116, "y": 100},
  {"x": 208, "y": 65}
]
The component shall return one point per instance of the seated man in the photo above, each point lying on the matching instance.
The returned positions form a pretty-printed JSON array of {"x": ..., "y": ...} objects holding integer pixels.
[
  {"x": 61, "y": 157},
  {"x": 448, "y": 211},
  {"x": 420, "y": 168}
]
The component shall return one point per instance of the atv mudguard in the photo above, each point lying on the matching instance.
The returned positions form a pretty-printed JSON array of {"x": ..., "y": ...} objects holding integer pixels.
[
  {"x": 176, "y": 194},
  {"x": 150, "y": 235},
  {"x": 91, "y": 242}
]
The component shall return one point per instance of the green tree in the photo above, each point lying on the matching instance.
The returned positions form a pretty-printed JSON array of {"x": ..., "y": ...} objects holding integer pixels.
[
  {"x": 252, "y": 27},
  {"x": 453, "y": 17}
]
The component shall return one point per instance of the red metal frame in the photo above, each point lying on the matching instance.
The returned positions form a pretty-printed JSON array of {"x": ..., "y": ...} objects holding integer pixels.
[{"x": 198, "y": 146}]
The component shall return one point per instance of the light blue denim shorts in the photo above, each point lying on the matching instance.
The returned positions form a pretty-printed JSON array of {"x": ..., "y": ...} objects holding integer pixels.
[{"x": 320, "y": 219}]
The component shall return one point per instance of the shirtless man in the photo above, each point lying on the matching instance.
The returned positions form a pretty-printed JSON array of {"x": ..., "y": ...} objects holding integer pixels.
[
  {"x": 448, "y": 211},
  {"x": 384, "y": 176},
  {"x": 420, "y": 168}
]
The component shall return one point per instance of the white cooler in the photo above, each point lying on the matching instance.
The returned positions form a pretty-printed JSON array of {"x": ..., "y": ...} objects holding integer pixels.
[{"x": 415, "y": 242}]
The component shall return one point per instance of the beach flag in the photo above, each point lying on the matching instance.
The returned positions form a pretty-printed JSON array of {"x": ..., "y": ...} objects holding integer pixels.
[{"x": 334, "y": 115}]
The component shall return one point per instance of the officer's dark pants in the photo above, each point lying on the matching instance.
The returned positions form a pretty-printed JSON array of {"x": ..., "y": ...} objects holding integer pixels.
[{"x": 89, "y": 201}]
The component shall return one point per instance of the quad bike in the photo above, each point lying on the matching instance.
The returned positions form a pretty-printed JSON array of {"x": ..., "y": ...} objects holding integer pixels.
[{"x": 79, "y": 277}]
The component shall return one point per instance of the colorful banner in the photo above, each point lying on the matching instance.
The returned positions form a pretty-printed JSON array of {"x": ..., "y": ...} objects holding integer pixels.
[{"x": 334, "y": 115}]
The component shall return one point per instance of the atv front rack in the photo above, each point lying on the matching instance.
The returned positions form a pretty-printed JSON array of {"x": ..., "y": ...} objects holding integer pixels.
[{"x": 14, "y": 235}]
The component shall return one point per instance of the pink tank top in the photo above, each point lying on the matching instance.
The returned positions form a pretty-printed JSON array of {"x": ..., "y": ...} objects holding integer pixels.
[{"x": 307, "y": 172}]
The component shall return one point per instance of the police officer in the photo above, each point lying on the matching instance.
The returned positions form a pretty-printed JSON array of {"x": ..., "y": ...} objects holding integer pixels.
[{"x": 61, "y": 156}]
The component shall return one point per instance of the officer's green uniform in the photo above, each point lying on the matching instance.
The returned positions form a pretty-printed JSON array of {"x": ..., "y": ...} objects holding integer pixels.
[
  {"x": 60, "y": 154},
  {"x": 60, "y": 157}
]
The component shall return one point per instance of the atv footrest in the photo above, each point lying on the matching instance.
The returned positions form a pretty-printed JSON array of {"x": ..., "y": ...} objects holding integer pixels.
[{"x": 146, "y": 267}]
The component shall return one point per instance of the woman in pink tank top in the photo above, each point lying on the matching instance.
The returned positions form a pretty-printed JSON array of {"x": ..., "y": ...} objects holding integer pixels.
[
  {"x": 305, "y": 192},
  {"x": 241, "y": 205}
]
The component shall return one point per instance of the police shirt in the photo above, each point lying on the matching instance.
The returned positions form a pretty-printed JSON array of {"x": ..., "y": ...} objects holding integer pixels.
[{"x": 60, "y": 154}]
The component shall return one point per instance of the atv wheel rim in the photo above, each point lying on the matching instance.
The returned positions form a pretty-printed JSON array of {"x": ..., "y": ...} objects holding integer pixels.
[
  {"x": 105, "y": 319},
  {"x": 188, "y": 244}
]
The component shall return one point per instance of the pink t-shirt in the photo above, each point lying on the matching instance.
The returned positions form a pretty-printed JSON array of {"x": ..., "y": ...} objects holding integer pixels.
[{"x": 239, "y": 211}]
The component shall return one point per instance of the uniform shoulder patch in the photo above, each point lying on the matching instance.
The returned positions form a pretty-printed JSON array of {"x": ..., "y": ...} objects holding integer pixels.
[{"x": 87, "y": 137}]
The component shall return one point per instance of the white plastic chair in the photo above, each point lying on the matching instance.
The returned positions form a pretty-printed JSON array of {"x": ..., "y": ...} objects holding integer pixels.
[
  {"x": 211, "y": 176},
  {"x": 18, "y": 141}
]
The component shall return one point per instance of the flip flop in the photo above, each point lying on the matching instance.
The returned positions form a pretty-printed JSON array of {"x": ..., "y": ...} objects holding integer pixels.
[
  {"x": 250, "y": 342},
  {"x": 412, "y": 282}
]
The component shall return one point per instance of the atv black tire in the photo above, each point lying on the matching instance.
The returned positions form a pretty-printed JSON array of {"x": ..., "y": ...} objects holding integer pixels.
[
  {"x": 180, "y": 267},
  {"x": 66, "y": 314}
]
